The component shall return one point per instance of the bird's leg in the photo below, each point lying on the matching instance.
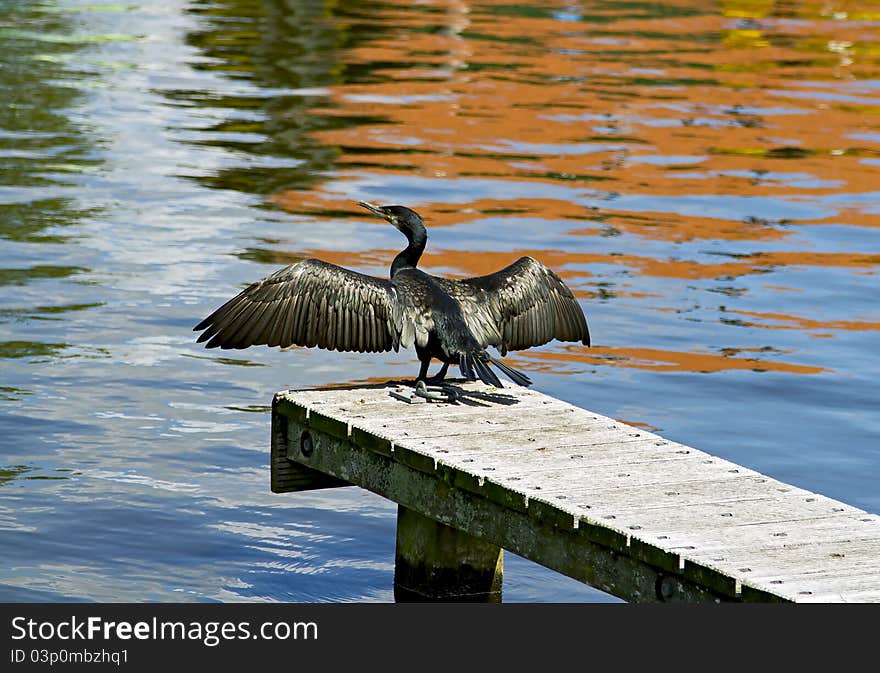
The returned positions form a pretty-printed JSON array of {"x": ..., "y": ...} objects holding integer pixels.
[
  {"x": 439, "y": 376},
  {"x": 423, "y": 370}
]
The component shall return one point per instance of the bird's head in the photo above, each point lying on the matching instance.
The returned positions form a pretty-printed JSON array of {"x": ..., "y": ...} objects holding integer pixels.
[{"x": 406, "y": 220}]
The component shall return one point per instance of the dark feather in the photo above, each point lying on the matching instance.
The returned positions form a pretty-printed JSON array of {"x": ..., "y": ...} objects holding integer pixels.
[
  {"x": 485, "y": 372},
  {"x": 464, "y": 366},
  {"x": 527, "y": 303},
  {"x": 295, "y": 305},
  {"x": 513, "y": 374}
]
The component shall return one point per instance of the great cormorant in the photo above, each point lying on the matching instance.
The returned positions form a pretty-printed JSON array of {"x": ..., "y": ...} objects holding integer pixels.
[{"x": 313, "y": 303}]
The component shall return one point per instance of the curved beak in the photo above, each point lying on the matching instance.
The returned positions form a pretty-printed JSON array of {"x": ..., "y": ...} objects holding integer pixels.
[{"x": 376, "y": 210}]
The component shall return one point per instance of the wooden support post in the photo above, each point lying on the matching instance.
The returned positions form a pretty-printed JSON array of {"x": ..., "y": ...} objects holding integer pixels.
[{"x": 435, "y": 562}]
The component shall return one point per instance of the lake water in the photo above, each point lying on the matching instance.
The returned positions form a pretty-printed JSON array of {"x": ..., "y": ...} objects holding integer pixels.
[{"x": 702, "y": 174}]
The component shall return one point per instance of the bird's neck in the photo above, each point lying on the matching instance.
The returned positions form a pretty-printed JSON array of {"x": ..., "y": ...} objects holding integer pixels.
[{"x": 409, "y": 257}]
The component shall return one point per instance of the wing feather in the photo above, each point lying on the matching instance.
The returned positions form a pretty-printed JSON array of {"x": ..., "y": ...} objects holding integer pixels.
[
  {"x": 523, "y": 305},
  {"x": 275, "y": 331},
  {"x": 310, "y": 303},
  {"x": 330, "y": 327},
  {"x": 346, "y": 328}
]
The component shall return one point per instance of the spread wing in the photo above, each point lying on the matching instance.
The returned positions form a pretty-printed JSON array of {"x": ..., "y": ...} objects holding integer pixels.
[
  {"x": 310, "y": 303},
  {"x": 523, "y": 305}
]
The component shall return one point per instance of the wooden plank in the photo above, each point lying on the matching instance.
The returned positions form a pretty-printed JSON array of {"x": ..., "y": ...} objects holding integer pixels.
[
  {"x": 375, "y": 405},
  {"x": 654, "y": 519},
  {"x": 811, "y": 532},
  {"x": 493, "y": 444},
  {"x": 854, "y": 596}
]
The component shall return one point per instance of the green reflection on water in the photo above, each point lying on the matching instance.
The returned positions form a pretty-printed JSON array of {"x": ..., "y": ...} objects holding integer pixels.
[
  {"x": 268, "y": 256},
  {"x": 29, "y": 222},
  {"x": 40, "y": 145},
  {"x": 598, "y": 12},
  {"x": 23, "y": 276},
  {"x": 225, "y": 361},
  {"x": 30, "y": 349},
  {"x": 287, "y": 51},
  {"x": 59, "y": 38},
  {"x": 11, "y": 472},
  {"x": 42, "y": 352},
  {"x": 101, "y": 7},
  {"x": 288, "y": 55},
  {"x": 44, "y": 312},
  {"x": 11, "y": 394}
]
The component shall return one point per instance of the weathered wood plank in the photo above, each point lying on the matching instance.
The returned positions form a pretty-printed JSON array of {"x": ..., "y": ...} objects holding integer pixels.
[
  {"x": 741, "y": 543},
  {"x": 854, "y": 596},
  {"x": 623, "y": 509},
  {"x": 493, "y": 445},
  {"x": 375, "y": 405}
]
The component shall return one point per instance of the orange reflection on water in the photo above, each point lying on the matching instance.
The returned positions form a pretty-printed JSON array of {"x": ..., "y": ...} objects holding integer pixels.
[
  {"x": 680, "y": 228},
  {"x": 710, "y": 136},
  {"x": 662, "y": 360},
  {"x": 784, "y": 321},
  {"x": 536, "y": 90},
  {"x": 547, "y": 361},
  {"x": 482, "y": 262}
]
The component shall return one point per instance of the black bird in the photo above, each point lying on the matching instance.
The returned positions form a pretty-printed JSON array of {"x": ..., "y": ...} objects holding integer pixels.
[{"x": 313, "y": 303}]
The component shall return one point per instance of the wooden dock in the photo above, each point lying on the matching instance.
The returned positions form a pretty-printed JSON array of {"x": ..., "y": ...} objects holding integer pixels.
[{"x": 622, "y": 509}]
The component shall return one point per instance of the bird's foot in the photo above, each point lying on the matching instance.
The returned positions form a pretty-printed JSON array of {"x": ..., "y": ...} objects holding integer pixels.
[{"x": 435, "y": 393}]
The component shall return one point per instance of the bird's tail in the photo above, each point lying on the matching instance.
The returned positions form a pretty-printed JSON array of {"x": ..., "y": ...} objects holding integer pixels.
[
  {"x": 464, "y": 366},
  {"x": 514, "y": 375},
  {"x": 475, "y": 366}
]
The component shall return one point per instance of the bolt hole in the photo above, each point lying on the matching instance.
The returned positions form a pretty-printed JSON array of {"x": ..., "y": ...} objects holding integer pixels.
[
  {"x": 665, "y": 587},
  {"x": 306, "y": 444}
]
